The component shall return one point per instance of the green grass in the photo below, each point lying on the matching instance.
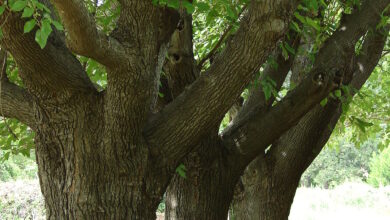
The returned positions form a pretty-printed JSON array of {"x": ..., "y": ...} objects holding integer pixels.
[
  {"x": 22, "y": 199},
  {"x": 356, "y": 201}
]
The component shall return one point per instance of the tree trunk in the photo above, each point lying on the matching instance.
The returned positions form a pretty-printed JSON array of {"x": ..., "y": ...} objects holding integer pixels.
[
  {"x": 82, "y": 177},
  {"x": 262, "y": 195},
  {"x": 207, "y": 189}
]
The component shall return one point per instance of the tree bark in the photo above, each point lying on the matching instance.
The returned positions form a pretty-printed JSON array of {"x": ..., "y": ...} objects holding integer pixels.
[
  {"x": 207, "y": 189},
  {"x": 82, "y": 177},
  {"x": 109, "y": 155},
  {"x": 263, "y": 195},
  {"x": 267, "y": 189},
  {"x": 270, "y": 183}
]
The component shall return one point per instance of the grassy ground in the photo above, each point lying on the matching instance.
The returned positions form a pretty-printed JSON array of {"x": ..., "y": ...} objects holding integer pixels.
[
  {"x": 21, "y": 200},
  {"x": 358, "y": 201}
]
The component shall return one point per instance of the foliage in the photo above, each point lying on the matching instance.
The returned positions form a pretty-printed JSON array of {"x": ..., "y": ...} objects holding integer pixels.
[
  {"x": 335, "y": 166},
  {"x": 214, "y": 21},
  {"x": 18, "y": 167},
  {"x": 367, "y": 115},
  {"x": 38, "y": 15},
  {"x": 380, "y": 169}
]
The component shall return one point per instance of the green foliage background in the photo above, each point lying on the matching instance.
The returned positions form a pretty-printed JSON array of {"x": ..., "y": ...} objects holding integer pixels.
[{"x": 366, "y": 117}]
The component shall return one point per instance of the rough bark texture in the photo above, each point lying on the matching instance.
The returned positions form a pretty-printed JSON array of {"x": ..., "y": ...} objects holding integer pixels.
[
  {"x": 208, "y": 188},
  {"x": 269, "y": 184},
  {"x": 112, "y": 154},
  {"x": 267, "y": 189}
]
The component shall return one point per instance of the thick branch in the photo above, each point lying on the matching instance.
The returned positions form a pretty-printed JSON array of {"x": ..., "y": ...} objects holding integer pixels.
[
  {"x": 14, "y": 101},
  {"x": 256, "y": 100},
  {"x": 132, "y": 86},
  {"x": 82, "y": 35},
  {"x": 243, "y": 135},
  {"x": 50, "y": 72},
  {"x": 301, "y": 144},
  {"x": 220, "y": 41},
  {"x": 179, "y": 69},
  {"x": 203, "y": 105}
]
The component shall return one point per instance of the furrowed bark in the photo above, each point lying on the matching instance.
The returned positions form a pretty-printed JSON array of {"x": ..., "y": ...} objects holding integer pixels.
[
  {"x": 15, "y": 102},
  {"x": 93, "y": 163},
  {"x": 265, "y": 23},
  {"x": 179, "y": 68},
  {"x": 324, "y": 78},
  {"x": 83, "y": 37},
  {"x": 207, "y": 190},
  {"x": 269, "y": 184},
  {"x": 49, "y": 72},
  {"x": 138, "y": 77},
  {"x": 256, "y": 100}
]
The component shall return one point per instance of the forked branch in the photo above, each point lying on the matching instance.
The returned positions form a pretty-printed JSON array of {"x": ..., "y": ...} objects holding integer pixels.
[{"x": 83, "y": 37}]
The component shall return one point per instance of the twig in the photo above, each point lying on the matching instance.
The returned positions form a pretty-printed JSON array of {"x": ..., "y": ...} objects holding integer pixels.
[{"x": 220, "y": 41}]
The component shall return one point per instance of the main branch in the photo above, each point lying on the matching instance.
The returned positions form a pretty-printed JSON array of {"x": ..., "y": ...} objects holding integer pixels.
[
  {"x": 326, "y": 74},
  {"x": 201, "y": 107},
  {"x": 49, "y": 72},
  {"x": 83, "y": 37}
]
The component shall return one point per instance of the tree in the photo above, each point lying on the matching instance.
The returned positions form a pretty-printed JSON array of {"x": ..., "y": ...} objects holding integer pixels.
[{"x": 110, "y": 153}]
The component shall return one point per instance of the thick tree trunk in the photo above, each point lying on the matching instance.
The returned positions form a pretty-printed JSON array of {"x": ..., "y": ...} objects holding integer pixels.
[
  {"x": 208, "y": 188},
  {"x": 82, "y": 177},
  {"x": 262, "y": 195}
]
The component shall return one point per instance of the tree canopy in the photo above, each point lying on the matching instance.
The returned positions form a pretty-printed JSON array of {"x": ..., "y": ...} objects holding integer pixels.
[{"x": 118, "y": 96}]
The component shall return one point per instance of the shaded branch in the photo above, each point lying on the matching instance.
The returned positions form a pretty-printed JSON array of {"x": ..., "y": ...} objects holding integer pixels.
[
  {"x": 179, "y": 69},
  {"x": 256, "y": 100},
  {"x": 51, "y": 72},
  {"x": 144, "y": 30},
  {"x": 302, "y": 143},
  {"x": 326, "y": 76},
  {"x": 201, "y": 107},
  {"x": 83, "y": 37},
  {"x": 15, "y": 102}
]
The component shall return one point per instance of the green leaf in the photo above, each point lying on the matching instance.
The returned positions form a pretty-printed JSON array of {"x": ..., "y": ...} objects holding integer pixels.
[
  {"x": 58, "y": 25},
  {"x": 2, "y": 9},
  {"x": 189, "y": 7},
  {"x": 289, "y": 48},
  {"x": 1, "y": 34},
  {"x": 181, "y": 170},
  {"x": 42, "y": 7},
  {"x": 6, "y": 155},
  {"x": 18, "y": 5},
  {"x": 231, "y": 13},
  {"x": 202, "y": 7},
  {"x": 29, "y": 25},
  {"x": 300, "y": 17},
  {"x": 284, "y": 51},
  {"x": 27, "y": 12},
  {"x": 337, "y": 93},
  {"x": 324, "y": 102},
  {"x": 46, "y": 28},
  {"x": 40, "y": 38},
  {"x": 313, "y": 23},
  {"x": 294, "y": 25}
]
